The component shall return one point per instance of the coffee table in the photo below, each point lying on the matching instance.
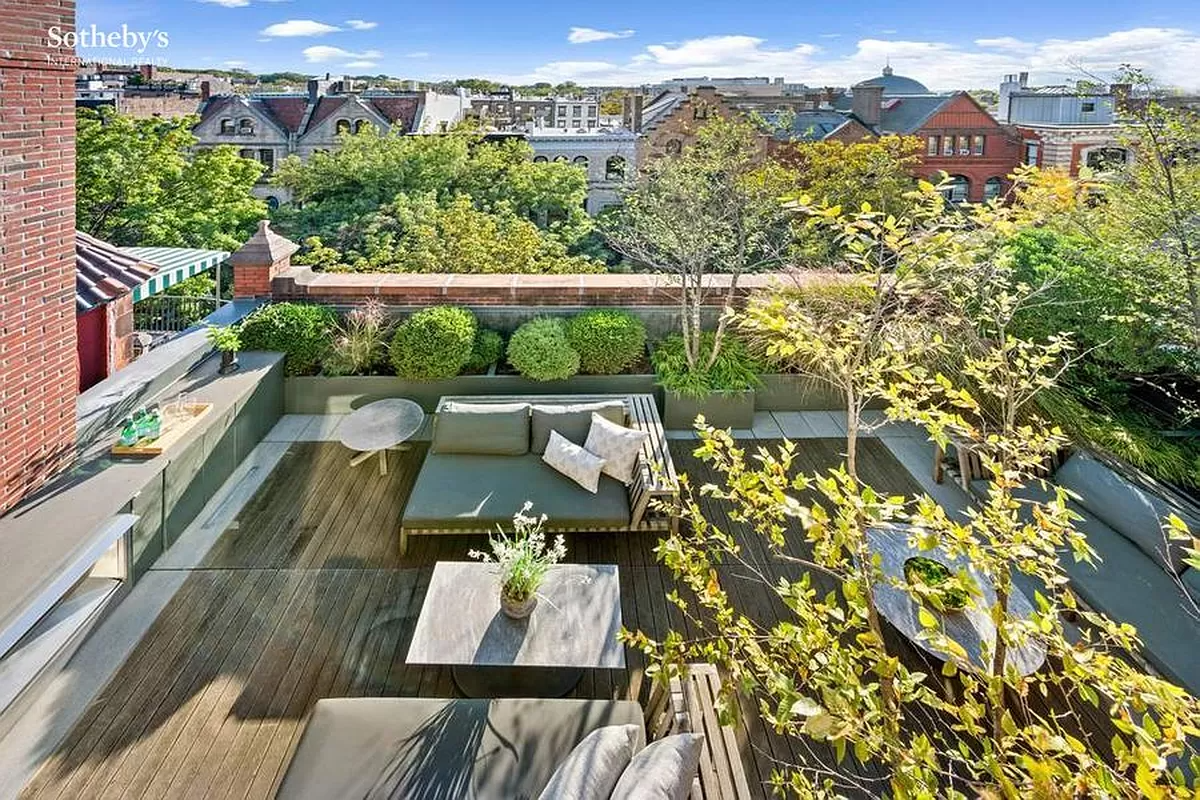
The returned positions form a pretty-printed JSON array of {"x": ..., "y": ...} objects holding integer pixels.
[
  {"x": 971, "y": 627},
  {"x": 574, "y": 627},
  {"x": 378, "y": 427}
]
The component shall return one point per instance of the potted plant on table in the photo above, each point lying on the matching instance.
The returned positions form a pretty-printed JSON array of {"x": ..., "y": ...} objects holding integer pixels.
[
  {"x": 226, "y": 340},
  {"x": 523, "y": 558},
  {"x": 937, "y": 586}
]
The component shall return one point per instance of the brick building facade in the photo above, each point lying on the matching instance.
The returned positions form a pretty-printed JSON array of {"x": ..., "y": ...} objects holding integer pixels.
[
  {"x": 965, "y": 142},
  {"x": 37, "y": 246}
]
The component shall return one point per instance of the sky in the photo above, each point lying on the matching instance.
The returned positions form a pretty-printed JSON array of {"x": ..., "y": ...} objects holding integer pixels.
[{"x": 942, "y": 43}]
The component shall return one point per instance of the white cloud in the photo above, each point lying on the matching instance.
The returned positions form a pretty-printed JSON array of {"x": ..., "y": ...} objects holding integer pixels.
[
  {"x": 299, "y": 27},
  {"x": 320, "y": 53},
  {"x": 228, "y": 3},
  {"x": 360, "y": 64},
  {"x": 1171, "y": 55},
  {"x": 361, "y": 24},
  {"x": 585, "y": 35}
]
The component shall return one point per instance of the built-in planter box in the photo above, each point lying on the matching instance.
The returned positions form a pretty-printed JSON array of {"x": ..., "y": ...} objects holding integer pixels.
[
  {"x": 327, "y": 395},
  {"x": 790, "y": 392},
  {"x": 728, "y": 409}
]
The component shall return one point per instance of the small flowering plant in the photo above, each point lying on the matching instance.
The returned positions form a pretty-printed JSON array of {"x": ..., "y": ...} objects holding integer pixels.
[{"x": 523, "y": 556}]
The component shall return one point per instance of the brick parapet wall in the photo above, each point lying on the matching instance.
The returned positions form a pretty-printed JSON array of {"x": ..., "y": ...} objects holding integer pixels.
[
  {"x": 415, "y": 289},
  {"x": 37, "y": 246}
]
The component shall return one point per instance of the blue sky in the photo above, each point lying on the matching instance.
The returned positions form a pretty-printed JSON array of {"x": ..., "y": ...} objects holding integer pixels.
[{"x": 944, "y": 44}]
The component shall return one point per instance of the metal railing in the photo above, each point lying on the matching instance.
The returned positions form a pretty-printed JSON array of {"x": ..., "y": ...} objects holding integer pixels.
[{"x": 160, "y": 318}]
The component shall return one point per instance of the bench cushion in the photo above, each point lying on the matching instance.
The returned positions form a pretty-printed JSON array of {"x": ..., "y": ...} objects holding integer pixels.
[
  {"x": 416, "y": 747},
  {"x": 499, "y": 429},
  {"x": 573, "y": 421},
  {"x": 1124, "y": 506},
  {"x": 476, "y": 492}
]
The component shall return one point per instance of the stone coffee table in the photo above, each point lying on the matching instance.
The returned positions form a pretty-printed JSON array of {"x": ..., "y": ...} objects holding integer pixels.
[
  {"x": 378, "y": 427},
  {"x": 573, "y": 628}
]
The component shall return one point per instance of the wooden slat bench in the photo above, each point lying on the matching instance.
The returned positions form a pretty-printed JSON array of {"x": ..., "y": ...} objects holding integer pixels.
[
  {"x": 690, "y": 707},
  {"x": 655, "y": 478}
]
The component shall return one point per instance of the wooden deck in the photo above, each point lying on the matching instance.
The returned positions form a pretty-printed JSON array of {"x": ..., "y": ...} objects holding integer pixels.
[{"x": 305, "y": 596}]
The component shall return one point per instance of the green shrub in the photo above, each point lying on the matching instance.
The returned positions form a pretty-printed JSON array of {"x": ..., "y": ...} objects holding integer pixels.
[
  {"x": 301, "y": 332},
  {"x": 734, "y": 370},
  {"x": 607, "y": 341},
  {"x": 434, "y": 343},
  {"x": 488, "y": 349},
  {"x": 539, "y": 350}
]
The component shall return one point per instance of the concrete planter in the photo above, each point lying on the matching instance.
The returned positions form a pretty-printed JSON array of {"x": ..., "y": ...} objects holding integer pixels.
[
  {"x": 787, "y": 392},
  {"x": 729, "y": 409},
  {"x": 329, "y": 395}
]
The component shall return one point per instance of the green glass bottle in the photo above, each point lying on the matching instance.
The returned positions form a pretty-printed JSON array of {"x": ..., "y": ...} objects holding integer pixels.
[
  {"x": 139, "y": 423},
  {"x": 129, "y": 435},
  {"x": 153, "y": 423}
]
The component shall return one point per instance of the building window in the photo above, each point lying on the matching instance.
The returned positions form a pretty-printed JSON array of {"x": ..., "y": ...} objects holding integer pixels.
[
  {"x": 1088, "y": 107},
  {"x": 1031, "y": 154},
  {"x": 1102, "y": 159},
  {"x": 226, "y": 127},
  {"x": 342, "y": 126},
  {"x": 991, "y": 188},
  {"x": 592, "y": 110},
  {"x": 580, "y": 161},
  {"x": 614, "y": 169},
  {"x": 539, "y": 159},
  {"x": 933, "y": 143},
  {"x": 246, "y": 152},
  {"x": 562, "y": 111},
  {"x": 272, "y": 202},
  {"x": 361, "y": 125},
  {"x": 957, "y": 190},
  {"x": 977, "y": 146},
  {"x": 947, "y": 145},
  {"x": 964, "y": 146},
  {"x": 577, "y": 111},
  {"x": 267, "y": 156},
  {"x": 560, "y": 159},
  {"x": 245, "y": 126}
]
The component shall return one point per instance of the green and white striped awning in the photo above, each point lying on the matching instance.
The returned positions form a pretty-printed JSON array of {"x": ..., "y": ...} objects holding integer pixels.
[{"x": 174, "y": 265}]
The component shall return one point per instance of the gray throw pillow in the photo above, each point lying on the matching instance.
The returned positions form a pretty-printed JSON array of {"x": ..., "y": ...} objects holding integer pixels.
[
  {"x": 617, "y": 445},
  {"x": 500, "y": 429},
  {"x": 593, "y": 768},
  {"x": 573, "y": 461},
  {"x": 664, "y": 770},
  {"x": 572, "y": 420}
]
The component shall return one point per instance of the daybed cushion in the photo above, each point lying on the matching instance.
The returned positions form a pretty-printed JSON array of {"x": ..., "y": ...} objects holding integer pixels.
[
  {"x": 572, "y": 420},
  {"x": 662, "y": 771},
  {"x": 481, "y": 428},
  {"x": 593, "y": 768},
  {"x": 617, "y": 445},
  {"x": 1130, "y": 586},
  {"x": 1122, "y": 505},
  {"x": 479, "y": 492},
  {"x": 572, "y": 461},
  {"x": 417, "y": 747}
]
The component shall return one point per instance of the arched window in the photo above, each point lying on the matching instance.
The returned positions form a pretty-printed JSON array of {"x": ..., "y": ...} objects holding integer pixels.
[
  {"x": 246, "y": 126},
  {"x": 614, "y": 169},
  {"x": 1102, "y": 159},
  {"x": 958, "y": 189},
  {"x": 227, "y": 127},
  {"x": 992, "y": 188},
  {"x": 560, "y": 159},
  {"x": 674, "y": 147},
  {"x": 539, "y": 159},
  {"x": 361, "y": 125},
  {"x": 342, "y": 126},
  {"x": 272, "y": 202},
  {"x": 580, "y": 161}
]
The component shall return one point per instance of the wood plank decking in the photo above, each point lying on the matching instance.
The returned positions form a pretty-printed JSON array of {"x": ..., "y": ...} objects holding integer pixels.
[{"x": 305, "y": 596}]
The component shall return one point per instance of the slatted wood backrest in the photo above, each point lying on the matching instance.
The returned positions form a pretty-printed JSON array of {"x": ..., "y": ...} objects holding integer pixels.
[
  {"x": 691, "y": 707},
  {"x": 656, "y": 472}
]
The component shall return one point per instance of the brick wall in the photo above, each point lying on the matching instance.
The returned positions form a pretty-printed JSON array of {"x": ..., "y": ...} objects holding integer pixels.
[
  {"x": 411, "y": 289},
  {"x": 37, "y": 246}
]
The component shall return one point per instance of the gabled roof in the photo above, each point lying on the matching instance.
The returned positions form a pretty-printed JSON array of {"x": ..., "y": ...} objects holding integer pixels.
[
  {"x": 326, "y": 107},
  {"x": 104, "y": 272},
  {"x": 287, "y": 112},
  {"x": 808, "y": 126},
  {"x": 661, "y": 107},
  {"x": 907, "y": 113},
  {"x": 400, "y": 111}
]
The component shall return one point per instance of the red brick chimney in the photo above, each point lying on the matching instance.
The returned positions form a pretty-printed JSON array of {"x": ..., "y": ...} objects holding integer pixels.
[
  {"x": 867, "y": 103},
  {"x": 259, "y": 260},
  {"x": 205, "y": 90},
  {"x": 38, "y": 373}
]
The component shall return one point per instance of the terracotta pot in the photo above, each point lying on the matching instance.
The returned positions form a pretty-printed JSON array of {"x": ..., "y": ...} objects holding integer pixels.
[{"x": 517, "y": 609}]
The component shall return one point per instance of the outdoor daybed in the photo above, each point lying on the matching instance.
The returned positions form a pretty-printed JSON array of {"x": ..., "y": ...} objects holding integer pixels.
[
  {"x": 485, "y": 461},
  {"x": 1136, "y": 577}
]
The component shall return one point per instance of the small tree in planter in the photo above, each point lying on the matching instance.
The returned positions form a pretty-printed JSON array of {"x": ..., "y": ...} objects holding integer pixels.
[
  {"x": 227, "y": 341},
  {"x": 712, "y": 210}
]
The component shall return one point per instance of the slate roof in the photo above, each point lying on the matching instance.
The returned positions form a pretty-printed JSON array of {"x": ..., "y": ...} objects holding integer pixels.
[
  {"x": 908, "y": 113},
  {"x": 661, "y": 107},
  {"x": 896, "y": 84},
  {"x": 402, "y": 110},
  {"x": 288, "y": 112},
  {"x": 807, "y": 126},
  {"x": 326, "y": 107},
  {"x": 104, "y": 272}
]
